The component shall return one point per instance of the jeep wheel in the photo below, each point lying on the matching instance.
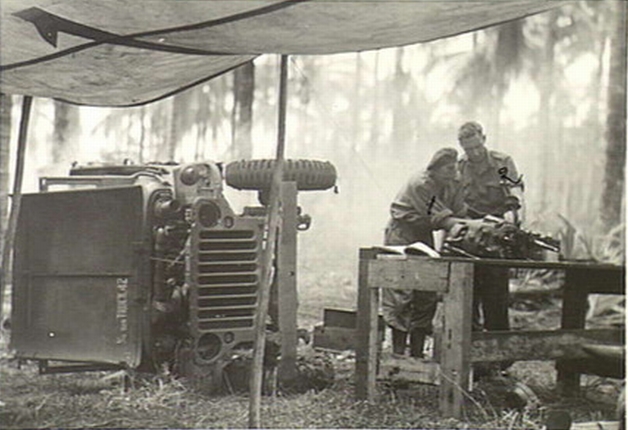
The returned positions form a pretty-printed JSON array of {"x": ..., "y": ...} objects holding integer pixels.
[{"x": 257, "y": 174}]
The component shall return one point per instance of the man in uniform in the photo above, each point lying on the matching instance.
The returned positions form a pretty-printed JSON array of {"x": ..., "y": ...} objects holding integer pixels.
[
  {"x": 491, "y": 186},
  {"x": 429, "y": 201}
]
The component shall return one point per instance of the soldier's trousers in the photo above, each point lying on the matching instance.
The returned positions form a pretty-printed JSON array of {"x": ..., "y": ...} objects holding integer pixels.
[{"x": 490, "y": 298}]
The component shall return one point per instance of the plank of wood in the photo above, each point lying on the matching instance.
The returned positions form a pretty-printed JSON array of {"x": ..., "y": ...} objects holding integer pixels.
[
  {"x": 411, "y": 274},
  {"x": 263, "y": 297},
  {"x": 596, "y": 366},
  {"x": 535, "y": 264},
  {"x": 271, "y": 225},
  {"x": 535, "y": 294},
  {"x": 9, "y": 239},
  {"x": 367, "y": 340},
  {"x": 596, "y": 425},
  {"x": 541, "y": 344},
  {"x": 287, "y": 281},
  {"x": 456, "y": 339},
  {"x": 599, "y": 280},
  {"x": 612, "y": 352},
  {"x": 409, "y": 369},
  {"x": 573, "y": 317}
]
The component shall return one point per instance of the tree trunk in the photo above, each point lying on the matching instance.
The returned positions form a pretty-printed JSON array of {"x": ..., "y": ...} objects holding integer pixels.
[
  {"x": 184, "y": 110},
  {"x": 142, "y": 140},
  {"x": 613, "y": 192},
  {"x": 375, "y": 115},
  {"x": 179, "y": 108},
  {"x": 356, "y": 103},
  {"x": 545, "y": 109},
  {"x": 201, "y": 119},
  {"x": 66, "y": 123},
  {"x": 5, "y": 166},
  {"x": 508, "y": 60},
  {"x": 220, "y": 90},
  {"x": 401, "y": 133},
  {"x": 242, "y": 117},
  {"x": 156, "y": 123}
]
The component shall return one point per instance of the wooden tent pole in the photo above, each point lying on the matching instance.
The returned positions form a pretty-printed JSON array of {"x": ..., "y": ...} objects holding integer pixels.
[
  {"x": 16, "y": 199},
  {"x": 271, "y": 225}
]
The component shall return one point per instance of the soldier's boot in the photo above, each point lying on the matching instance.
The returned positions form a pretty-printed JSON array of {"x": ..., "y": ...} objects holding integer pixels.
[
  {"x": 399, "y": 341},
  {"x": 417, "y": 341}
]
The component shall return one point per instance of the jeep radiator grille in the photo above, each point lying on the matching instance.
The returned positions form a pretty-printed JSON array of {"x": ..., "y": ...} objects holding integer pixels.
[{"x": 227, "y": 278}]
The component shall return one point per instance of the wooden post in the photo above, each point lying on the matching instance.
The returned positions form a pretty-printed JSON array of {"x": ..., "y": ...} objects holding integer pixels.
[
  {"x": 456, "y": 339},
  {"x": 16, "y": 200},
  {"x": 573, "y": 316},
  {"x": 271, "y": 226},
  {"x": 367, "y": 347},
  {"x": 287, "y": 282}
]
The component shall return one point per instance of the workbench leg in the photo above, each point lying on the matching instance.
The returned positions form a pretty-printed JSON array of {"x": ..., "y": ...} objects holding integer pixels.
[
  {"x": 367, "y": 347},
  {"x": 287, "y": 282},
  {"x": 574, "y": 312},
  {"x": 455, "y": 359}
]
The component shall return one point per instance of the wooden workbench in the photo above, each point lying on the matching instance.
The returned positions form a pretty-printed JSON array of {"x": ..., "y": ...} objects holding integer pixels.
[{"x": 453, "y": 278}]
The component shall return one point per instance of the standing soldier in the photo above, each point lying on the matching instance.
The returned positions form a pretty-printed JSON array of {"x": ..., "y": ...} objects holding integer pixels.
[
  {"x": 429, "y": 201},
  {"x": 491, "y": 186}
]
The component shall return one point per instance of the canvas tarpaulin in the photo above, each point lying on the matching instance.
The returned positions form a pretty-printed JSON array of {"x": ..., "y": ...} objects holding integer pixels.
[{"x": 129, "y": 52}]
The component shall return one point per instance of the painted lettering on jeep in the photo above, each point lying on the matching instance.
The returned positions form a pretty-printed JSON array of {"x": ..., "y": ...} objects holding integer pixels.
[{"x": 122, "y": 310}]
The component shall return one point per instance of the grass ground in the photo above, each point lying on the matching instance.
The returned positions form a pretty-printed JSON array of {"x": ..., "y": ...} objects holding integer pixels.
[{"x": 98, "y": 400}]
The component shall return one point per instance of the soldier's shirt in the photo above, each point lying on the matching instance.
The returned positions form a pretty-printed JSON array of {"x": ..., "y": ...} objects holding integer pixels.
[
  {"x": 485, "y": 190},
  {"x": 422, "y": 204}
]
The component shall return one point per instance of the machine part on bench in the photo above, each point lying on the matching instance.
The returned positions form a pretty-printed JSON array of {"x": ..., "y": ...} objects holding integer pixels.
[{"x": 493, "y": 237}]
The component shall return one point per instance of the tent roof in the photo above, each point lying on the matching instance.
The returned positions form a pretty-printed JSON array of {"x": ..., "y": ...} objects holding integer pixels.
[{"x": 129, "y": 52}]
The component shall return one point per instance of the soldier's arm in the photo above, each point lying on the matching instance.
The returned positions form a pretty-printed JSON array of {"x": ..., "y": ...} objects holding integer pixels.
[
  {"x": 515, "y": 180},
  {"x": 515, "y": 187},
  {"x": 429, "y": 211}
]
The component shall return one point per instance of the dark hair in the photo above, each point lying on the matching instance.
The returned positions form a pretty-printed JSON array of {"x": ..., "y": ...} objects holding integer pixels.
[{"x": 441, "y": 157}]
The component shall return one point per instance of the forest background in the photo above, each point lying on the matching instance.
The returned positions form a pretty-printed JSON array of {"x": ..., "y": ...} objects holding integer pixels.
[{"x": 550, "y": 91}]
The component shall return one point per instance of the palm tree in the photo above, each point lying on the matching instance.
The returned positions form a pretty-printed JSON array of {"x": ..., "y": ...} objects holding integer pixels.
[
  {"x": 180, "y": 112},
  {"x": 546, "y": 82},
  {"x": 242, "y": 114},
  {"x": 484, "y": 79},
  {"x": 402, "y": 96},
  {"x": 5, "y": 152},
  {"x": 66, "y": 123},
  {"x": 375, "y": 131},
  {"x": 613, "y": 192}
]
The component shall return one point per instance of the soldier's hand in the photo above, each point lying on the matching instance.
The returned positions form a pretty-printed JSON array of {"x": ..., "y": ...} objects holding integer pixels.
[
  {"x": 512, "y": 203},
  {"x": 481, "y": 237},
  {"x": 464, "y": 227}
]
